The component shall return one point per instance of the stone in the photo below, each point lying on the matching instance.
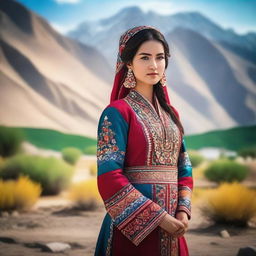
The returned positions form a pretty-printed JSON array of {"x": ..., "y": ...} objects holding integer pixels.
[
  {"x": 4, "y": 214},
  {"x": 57, "y": 247},
  {"x": 15, "y": 214},
  {"x": 247, "y": 251},
  {"x": 224, "y": 233}
]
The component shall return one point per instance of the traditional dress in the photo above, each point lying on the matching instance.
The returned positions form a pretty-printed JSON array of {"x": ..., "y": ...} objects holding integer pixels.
[{"x": 144, "y": 173}]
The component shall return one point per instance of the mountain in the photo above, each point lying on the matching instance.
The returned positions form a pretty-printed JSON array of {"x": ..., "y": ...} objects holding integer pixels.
[
  {"x": 212, "y": 86},
  {"x": 46, "y": 79},
  {"x": 51, "y": 81},
  {"x": 243, "y": 45},
  {"x": 203, "y": 75}
]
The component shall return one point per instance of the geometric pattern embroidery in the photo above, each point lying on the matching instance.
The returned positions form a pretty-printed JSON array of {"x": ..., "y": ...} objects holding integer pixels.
[
  {"x": 185, "y": 198},
  {"x": 107, "y": 149},
  {"x": 166, "y": 196},
  {"x": 133, "y": 213},
  {"x": 184, "y": 202}
]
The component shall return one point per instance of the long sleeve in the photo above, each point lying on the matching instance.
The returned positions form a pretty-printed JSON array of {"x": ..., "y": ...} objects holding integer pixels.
[
  {"x": 132, "y": 213},
  {"x": 185, "y": 181}
]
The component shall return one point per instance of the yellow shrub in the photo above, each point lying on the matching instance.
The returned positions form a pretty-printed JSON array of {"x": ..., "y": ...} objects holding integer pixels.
[
  {"x": 93, "y": 169},
  {"x": 85, "y": 194},
  {"x": 230, "y": 203},
  {"x": 18, "y": 194},
  {"x": 199, "y": 194}
]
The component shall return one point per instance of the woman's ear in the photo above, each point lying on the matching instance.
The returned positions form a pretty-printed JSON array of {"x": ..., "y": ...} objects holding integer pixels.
[{"x": 129, "y": 65}]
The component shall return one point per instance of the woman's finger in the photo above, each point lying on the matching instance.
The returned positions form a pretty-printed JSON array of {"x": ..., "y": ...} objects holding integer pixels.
[{"x": 180, "y": 232}]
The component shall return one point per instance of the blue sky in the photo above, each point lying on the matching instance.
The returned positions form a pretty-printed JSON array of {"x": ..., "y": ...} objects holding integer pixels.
[{"x": 67, "y": 14}]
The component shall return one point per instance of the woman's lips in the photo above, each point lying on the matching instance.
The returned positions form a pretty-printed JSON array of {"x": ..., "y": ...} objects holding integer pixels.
[{"x": 152, "y": 74}]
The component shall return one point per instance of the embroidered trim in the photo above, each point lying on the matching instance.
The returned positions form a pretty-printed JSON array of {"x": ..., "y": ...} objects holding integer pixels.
[
  {"x": 173, "y": 199},
  {"x": 133, "y": 214},
  {"x": 184, "y": 202},
  {"x": 162, "y": 135},
  {"x": 185, "y": 188},
  {"x": 118, "y": 206},
  {"x": 109, "y": 244},
  {"x": 151, "y": 174},
  {"x": 174, "y": 246},
  {"x": 166, "y": 196},
  {"x": 142, "y": 176},
  {"x": 144, "y": 223},
  {"x": 165, "y": 246},
  {"x": 185, "y": 198}
]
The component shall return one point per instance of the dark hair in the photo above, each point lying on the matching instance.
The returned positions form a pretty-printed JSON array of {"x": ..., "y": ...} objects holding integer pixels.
[{"x": 128, "y": 54}]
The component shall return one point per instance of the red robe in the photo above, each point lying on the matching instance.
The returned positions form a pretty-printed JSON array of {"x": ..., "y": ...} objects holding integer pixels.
[{"x": 144, "y": 173}]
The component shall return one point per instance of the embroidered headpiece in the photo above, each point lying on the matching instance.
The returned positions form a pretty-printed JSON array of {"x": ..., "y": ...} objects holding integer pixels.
[{"x": 123, "y": 41}]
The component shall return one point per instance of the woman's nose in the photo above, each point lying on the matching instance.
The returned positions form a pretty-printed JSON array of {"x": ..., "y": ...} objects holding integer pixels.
[{"x": 153, "y": 64}]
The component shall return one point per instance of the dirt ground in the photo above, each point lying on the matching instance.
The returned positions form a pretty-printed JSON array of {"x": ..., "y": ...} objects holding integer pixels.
[
  {"x": 52, "y": 220},
  {"x": 80, "y": 229}
]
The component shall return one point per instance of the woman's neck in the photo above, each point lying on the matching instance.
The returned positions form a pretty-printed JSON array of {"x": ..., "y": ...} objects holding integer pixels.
[{"x": 146, "y": 91}]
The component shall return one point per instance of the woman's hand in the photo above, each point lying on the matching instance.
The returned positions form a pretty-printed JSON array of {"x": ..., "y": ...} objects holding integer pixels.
[
  {"x": 172, "y": 225},
  {"x": 183, "y": 217}
]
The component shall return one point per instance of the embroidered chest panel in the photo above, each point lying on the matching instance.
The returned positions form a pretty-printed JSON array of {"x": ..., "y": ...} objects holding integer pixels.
[{"x": 162, "y": 134}]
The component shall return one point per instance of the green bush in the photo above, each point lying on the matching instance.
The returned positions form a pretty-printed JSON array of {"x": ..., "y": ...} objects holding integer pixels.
[
  {"x": 225, "y": 170},
  {"x": 250, "y": 151},
  {"x": 195, "y": 158},
  {"x": 53, "y": 174},
  {"x": 71, "y": 155},
  {"x": 10, "y": 141},
  {"x": 91, "y": 150}
]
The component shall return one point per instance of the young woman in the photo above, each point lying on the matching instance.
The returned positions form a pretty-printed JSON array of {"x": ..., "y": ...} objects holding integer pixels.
[{"x": 144, "y": 171}]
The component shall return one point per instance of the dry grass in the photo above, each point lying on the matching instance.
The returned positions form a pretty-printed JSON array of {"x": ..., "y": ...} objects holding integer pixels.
[
  {"x": 230, "y": 203},
  {"x": 85, "y": 195}
]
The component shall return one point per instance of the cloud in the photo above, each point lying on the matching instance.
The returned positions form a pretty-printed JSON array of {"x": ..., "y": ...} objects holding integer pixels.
[
  {"x": 67, "y": 1},
  {"x": 63, "y": 29},
  {"x": 160, "y": 7}
]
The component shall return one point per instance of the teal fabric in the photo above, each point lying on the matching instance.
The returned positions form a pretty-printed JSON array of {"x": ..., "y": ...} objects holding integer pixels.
[{"x": 114, "y": 128}]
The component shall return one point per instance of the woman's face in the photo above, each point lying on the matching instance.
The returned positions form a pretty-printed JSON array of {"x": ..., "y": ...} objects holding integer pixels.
[{"x": 148, "y": 65}]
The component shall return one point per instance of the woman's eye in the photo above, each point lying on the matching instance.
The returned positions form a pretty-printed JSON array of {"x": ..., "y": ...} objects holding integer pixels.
[{"x": 146, "y": 57}]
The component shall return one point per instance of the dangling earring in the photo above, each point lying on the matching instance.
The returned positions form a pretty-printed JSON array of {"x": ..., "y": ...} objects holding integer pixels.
[
  {"x": 163, "y": 80},
  {"x": 129, "y": 81}
]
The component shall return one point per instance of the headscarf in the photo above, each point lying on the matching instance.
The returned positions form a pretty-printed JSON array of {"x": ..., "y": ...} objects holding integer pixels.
[{"x": 118, "y": 90}]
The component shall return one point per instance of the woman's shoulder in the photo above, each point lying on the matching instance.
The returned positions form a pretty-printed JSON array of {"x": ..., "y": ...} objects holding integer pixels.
[{"x": 118, "y": 107}]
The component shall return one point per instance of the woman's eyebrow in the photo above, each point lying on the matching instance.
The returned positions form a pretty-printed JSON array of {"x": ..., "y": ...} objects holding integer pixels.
[{"x": 144, "y": 53}]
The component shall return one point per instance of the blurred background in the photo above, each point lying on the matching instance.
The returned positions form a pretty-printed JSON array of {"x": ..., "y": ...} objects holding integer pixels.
[{"x": 57, "y": 68}]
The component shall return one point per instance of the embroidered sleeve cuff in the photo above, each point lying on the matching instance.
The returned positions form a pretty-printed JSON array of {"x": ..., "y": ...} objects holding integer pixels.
[
  {"x": 184, "y": 202},
  {"x": 182, "y": 208},
  {"x": 133, "y": 214}
]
